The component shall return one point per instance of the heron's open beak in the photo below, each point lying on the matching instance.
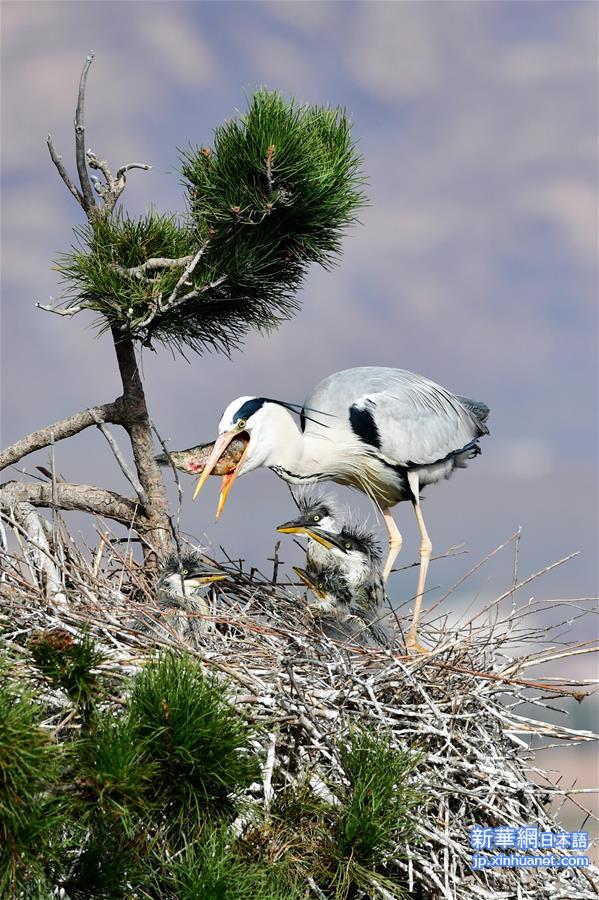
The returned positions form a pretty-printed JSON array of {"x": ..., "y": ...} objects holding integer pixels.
[
  {"x": 220, "y": 445},
  {"x": 310, "y": 581},
  {"x": 326, "y": 538}
]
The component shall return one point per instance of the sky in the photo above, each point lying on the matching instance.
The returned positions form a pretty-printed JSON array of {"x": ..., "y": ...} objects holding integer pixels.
[{"x": 475, "y": 262}]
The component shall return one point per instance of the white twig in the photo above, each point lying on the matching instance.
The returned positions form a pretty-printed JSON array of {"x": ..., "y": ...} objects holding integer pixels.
[
  {"x": 57, "y": 310},
  {"x": 122, "y": 462}
]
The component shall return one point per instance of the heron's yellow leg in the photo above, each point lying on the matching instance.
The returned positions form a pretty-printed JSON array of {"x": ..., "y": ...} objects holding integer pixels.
[
  {"x": 395, "y": 541},
  {"x": 426, "y": 549}
]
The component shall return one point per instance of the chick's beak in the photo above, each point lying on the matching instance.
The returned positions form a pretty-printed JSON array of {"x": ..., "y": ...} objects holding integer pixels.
[
  {"x": 197, "y": 581},
  {"x": 326, "y": 538},
  {"x": 309, "y": 580},
  {"x": 297, "y": 526}
]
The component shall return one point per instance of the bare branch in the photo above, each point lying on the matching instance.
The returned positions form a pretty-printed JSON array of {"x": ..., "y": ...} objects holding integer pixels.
[
  {"x": 193, "y": 294},
  {"x": 31, "y": 523},
  {"x": 188, "y": 271},
  {"x": 121, "y": 172},
  {"x": 89, "y": 201},
  {"x": 109, "y": 412},
  {"x": 155, "y": 264},
  {"x": 57, "y": 310},
  {"x": 80, "y": 497},
  {"x": 129, "y": 475},
  {"x": 102, "y": 166},
  {"x": 57, "y": 160},
  {"x": 176, "y": 526},
  {"x": 114, "y": 185}
]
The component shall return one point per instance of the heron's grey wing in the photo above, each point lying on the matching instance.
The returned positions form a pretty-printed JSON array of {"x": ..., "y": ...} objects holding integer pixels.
[
  {"x": 411, "y": 431},
  {"x": 478, "y": 409},
  {"x": 405, "y": 418}
]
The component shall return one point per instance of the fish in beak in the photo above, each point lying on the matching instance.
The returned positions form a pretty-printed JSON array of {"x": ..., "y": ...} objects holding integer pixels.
[
  {"x": 220, "y": 446},
  {"x": 326, "y": 538}
]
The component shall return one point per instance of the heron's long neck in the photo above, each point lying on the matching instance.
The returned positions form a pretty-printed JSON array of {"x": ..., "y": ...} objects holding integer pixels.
[{"x": 299, "y": 458}]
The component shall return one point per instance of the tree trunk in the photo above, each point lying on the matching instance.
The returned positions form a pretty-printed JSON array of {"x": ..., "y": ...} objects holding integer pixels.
[{"x": 136, "y": 423}]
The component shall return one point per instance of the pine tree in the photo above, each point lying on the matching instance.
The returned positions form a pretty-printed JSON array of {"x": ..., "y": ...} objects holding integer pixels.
[{"x": 271, "y": 196}]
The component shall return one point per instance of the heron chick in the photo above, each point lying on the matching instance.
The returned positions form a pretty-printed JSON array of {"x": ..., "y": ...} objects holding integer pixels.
[
  {"x": 344, "y": 614},
  {"x": 350, "y": 547},
  {"x": 182, "y": 587}
]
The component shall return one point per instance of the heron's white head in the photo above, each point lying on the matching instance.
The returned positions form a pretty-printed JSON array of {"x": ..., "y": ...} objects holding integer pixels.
[{"x": 266, "y": 425}]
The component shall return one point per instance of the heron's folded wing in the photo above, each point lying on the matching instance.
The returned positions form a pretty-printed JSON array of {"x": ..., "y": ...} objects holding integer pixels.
[{"x": 416, "y": 427}]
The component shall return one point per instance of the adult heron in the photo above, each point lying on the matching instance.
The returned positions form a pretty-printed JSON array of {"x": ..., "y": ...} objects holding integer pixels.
[{"x": 386, "y": 432}]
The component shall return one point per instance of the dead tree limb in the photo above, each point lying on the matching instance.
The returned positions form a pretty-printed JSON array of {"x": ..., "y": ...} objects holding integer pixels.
[
  {"x": 89, "y": 201},
  {"x": 58, "y": 431},
  {"x": 75, "y": 497}
]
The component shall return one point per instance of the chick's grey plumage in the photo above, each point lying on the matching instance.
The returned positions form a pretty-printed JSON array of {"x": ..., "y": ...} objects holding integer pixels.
[
  {"x": 345, "y": 613},
  {"x": 353, "y": 548},
  {"x": 182, "y": 591}
]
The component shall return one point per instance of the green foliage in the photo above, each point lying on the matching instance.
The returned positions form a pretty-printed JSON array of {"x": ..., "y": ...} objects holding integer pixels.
[
  {"x": 273, "y": 196},
  {"x": 29, "y": 808},
  {"x": 196, "y": 742},
  {"x": 212, "y": 869},
  {"x": 113, "y": 774},
  {"x": 68, "y": 665},
  {"x": 378, "y": 806},
  {"x": 343, "y": 845},
  {"x": 139, "y": 799}
]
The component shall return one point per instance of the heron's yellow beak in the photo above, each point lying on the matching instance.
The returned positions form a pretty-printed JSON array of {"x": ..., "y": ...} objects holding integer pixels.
[{"x": 220, "y": 445}]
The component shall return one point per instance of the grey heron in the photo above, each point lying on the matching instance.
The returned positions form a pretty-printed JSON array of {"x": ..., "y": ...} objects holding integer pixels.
[
  {"x": 386, "y": 432},
  {"x": 344, "y": 613},
  {"x": 182, "y": 587}
]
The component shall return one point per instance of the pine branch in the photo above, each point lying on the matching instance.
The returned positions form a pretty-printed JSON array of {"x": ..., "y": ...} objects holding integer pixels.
[{"x": 152, "y": 265}]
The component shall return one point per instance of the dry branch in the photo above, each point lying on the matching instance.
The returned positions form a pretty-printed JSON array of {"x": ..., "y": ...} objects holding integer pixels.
[
  {"x": 58, "y": 431},
  {"x": 57, "y": 160},
  {"x": 456, "y": 707},
  {"x": 81, "y": 497}
]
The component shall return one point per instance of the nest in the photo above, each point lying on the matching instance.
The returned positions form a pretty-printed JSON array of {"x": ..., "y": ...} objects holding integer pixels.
[{"x": 457, "y": 706}]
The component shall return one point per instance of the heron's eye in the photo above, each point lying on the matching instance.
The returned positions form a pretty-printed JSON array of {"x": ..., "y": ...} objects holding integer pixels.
[
  {"x": 348, "y": 546},
  {"x": 186, "y": 571},
  {"x": 316, "y": 518},
  {"x": 241, "y": 423}
]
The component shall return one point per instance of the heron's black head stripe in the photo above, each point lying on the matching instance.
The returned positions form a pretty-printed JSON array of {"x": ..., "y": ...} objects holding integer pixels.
[
  {"x": 252, "y": 406},
  {"x": 364, "y": 426},
  {"x": 249, "y": 408}
]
